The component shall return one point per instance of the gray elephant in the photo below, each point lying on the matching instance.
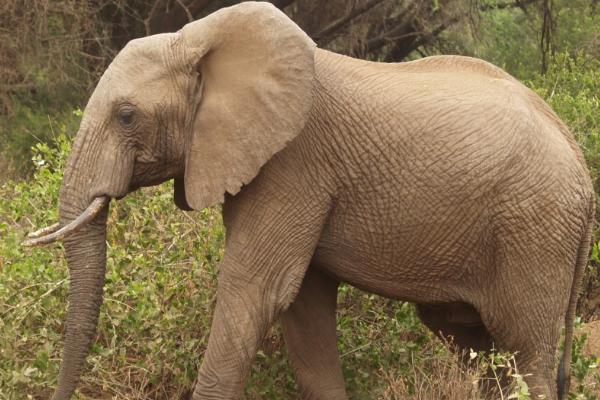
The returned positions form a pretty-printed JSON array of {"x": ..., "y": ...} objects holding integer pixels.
[{"x": 442, "y": 181}]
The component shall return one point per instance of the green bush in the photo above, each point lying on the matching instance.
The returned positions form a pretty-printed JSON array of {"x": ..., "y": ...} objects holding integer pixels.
[
  {"x": 585, "y": 376},
  {"x": 158, "y": 295},
  {"x": 32, "y": 124},
  {"x": 572, "y": 88}
]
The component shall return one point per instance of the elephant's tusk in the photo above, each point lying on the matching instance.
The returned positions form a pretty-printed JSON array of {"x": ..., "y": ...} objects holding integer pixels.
[
  {"x": 44, "y": 231},
  {"x": 53, "y": 235}
]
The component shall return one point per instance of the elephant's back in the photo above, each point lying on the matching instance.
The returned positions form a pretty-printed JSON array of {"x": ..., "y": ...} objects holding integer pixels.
[
  {"x": 429, "y": 167},
  {"x": 448, "y": 117}
]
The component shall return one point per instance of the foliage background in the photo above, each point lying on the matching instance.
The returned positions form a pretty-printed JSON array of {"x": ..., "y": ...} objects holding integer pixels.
[{"x": 162, "y": 262}]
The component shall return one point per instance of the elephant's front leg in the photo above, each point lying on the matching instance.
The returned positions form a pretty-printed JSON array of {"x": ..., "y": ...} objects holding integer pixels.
[
  {"x": 242, "y": 316},
  {"x": 269, "y": 246}
]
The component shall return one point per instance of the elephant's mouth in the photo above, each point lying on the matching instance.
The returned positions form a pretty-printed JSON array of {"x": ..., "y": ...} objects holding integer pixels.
[{"x": 55, "y": 232}]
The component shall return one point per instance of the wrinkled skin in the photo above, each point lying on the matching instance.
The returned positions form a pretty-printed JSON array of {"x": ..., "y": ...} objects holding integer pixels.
[{"x": 441, "y": 181}]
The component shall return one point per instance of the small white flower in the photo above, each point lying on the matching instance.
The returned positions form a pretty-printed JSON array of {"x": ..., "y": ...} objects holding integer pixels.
[{"x": 472, "y": 354}]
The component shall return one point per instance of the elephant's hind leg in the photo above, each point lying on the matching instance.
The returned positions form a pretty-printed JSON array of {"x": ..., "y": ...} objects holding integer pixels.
[
  {"x": 309, "y": 332},
  {"x": 530, "y": 293},
  {"x": 530, "y": 327},
  {"x": 532, "y": 334},
  {"x": 458, "y": 324}
]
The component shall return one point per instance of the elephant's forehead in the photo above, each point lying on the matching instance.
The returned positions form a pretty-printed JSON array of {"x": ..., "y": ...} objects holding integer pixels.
[
  {"x": 154, "y": 48},
  {"x": 132, "y": 81},
  {"x": 139, "y": 67}
]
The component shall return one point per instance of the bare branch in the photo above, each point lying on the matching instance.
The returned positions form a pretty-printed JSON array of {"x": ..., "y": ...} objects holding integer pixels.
[
  {"x": 198, "y": 6},
  {"x": 327, "y": 34},
  {"x": 13, "y": 87},
  {"x": 190, "y": 17},
  {"x": 150, "y": 16},
  {"x": 546, "y": 45},
  {"x": 281, "y": 4},
  {"x": 402, "y": 27},
  {"x": 405, "y": 28},
  {"x": 509, "y": 4}
]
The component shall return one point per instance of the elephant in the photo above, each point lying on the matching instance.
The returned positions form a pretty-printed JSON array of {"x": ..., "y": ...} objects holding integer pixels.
[{"x": 441, "y": 181}]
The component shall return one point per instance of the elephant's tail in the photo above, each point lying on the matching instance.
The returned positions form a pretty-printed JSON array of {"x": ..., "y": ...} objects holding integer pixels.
[{"x": 564, "y": 369}]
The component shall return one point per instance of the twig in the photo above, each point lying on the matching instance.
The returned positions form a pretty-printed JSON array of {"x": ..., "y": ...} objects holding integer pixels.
[
  {"x": 150, "y": 16},
  {"x": 398, "y": 30},
  {"x": 325, "y": 36},
  {"x": 356, "y": 349},
  {"x": 28, "y": 307},
  {"x": 187, "y": 11},
  {"x": 281, "y": 4}
]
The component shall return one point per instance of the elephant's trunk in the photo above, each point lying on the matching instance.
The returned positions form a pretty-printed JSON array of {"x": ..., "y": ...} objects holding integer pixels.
[{"x": 86, "y": 258}]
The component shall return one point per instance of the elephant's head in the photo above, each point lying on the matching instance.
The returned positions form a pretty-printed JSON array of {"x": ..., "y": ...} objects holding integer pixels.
[{"x": 207, "y": 105}]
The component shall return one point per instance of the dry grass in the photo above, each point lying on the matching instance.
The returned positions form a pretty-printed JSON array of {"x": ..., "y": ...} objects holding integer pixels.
[
  {"x": 3, "y": 170},
  {"x": 440, "y": 374},
  {"x": 446, "y": 380}
]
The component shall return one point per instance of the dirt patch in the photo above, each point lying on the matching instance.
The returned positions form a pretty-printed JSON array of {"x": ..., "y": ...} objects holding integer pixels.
[
  {"x": 592, "y": 344},
  {"x": 6, "y": 170},
  {"x": 3, "y": 169}
]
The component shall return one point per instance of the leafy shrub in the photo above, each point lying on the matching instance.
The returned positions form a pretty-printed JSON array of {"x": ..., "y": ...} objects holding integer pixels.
[
  {"x": 156, "y": 284},
  {"x": 571, "y": 88},
  {"x": 29, "y": 126}
]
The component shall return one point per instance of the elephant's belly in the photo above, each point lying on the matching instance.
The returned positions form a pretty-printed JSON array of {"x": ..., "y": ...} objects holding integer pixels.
[{"x": 413, "y": 256}]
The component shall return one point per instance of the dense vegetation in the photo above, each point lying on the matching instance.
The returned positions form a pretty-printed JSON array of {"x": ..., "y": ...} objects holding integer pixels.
[{"x": 161, "y": 273}]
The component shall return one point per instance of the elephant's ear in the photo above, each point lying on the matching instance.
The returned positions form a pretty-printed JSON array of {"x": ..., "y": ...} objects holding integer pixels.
[{"x": 257, "y": 71}]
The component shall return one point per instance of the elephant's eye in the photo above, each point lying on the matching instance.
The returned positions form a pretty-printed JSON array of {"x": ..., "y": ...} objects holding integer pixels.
[{"x": 126, "y": 117}]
